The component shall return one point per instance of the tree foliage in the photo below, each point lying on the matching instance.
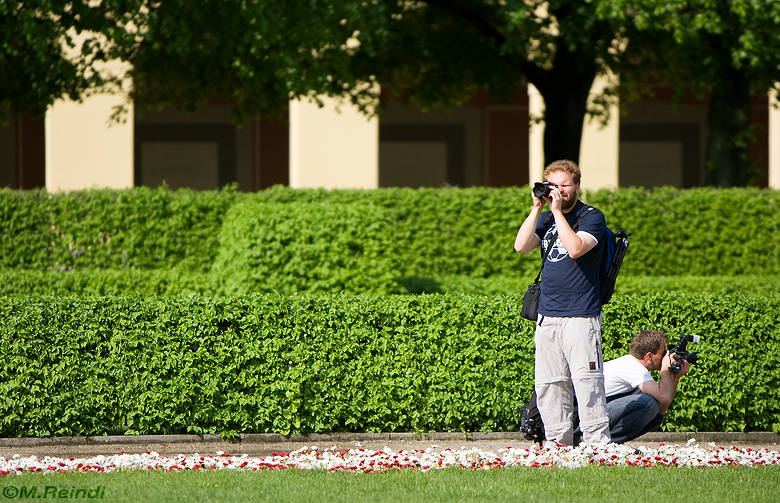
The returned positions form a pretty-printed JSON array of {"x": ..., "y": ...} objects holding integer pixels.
[
  {"x": 725, "y": 50},
  {"x": 51, "y": 49},
  {"x": 441, "y": 52},
  {"x": 260, "y": 54},
  {"x": 257, "y": 54}
]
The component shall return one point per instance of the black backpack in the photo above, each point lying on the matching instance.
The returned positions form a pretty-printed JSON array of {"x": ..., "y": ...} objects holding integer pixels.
[{"x": 611, "y": 260}]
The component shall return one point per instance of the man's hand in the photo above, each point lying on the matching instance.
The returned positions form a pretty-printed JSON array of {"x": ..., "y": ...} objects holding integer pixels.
[
  {"x": 538, "y": 203},
  {"x": 556, "y": 201},
  {"x": 527, "y": 239},
  {"x": 666, "y": 365},
  {"x": 666, "y": 362},
  {"x": 664, "y": 389}
]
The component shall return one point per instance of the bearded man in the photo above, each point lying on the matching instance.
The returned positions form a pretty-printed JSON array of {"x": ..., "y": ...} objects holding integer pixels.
[{"x": 568, "y": 356}]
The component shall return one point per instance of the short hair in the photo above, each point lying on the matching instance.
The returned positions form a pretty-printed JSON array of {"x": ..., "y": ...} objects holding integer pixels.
[
  {"x": 564, "y": 165},
  {"x": 647, "y": 341}
]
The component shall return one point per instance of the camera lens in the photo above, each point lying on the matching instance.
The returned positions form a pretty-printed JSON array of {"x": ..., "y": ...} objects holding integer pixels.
[{"x": 541, "y": 190}]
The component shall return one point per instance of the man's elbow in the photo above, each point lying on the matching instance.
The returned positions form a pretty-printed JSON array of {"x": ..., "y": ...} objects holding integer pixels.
[
  {"x": 584, "y": 245},
  {"x": 526, "y": 247},
  {"x": 663, "y": 405},
  {"x": 578, "y": 252}
]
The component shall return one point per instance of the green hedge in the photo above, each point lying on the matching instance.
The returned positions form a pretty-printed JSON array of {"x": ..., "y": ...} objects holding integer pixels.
[
  {"x": 313, "y": 247},
  {"x": 289, "y": 364},
  {"x": 174, "y": 282},
  {"x": 418, "y": 235},
  {"x": 138, "y": 228},
  {"x": 114, "y": 282},
  {"x": 470, "y": 232},
  {"x": 701, "y": 231},
  {"x": 766, "y": 285}
]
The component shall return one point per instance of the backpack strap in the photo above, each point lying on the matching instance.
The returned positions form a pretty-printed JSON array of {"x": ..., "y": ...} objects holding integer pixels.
[{"x": 581, "y": 217}]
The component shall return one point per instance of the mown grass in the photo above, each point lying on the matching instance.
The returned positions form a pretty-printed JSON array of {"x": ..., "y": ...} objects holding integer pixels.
[{"x": 596, "y": 484}]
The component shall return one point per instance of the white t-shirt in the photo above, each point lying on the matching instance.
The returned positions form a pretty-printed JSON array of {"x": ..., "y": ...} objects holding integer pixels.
[{"x": 624, "y": 374}]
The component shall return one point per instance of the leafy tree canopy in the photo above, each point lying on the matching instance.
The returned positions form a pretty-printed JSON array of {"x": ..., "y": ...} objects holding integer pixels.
[
  {"x": 261, "y": 53},
  {"x": 722, "y": 49},
  {"x": 51, "y": 49}
]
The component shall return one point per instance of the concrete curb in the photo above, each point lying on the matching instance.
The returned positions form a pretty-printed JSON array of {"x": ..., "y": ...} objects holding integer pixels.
[{"x": 756, "y": 437}]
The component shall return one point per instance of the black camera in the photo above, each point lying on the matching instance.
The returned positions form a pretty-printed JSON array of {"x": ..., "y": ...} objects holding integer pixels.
[
  {"x": 679, "y": 352},
  {"x": 542, "y": 189}
]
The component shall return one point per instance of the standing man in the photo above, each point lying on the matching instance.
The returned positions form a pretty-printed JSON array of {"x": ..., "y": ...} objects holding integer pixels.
[
  {"x": 637, "y": 403},
  {"x": 568, "y": 360}
]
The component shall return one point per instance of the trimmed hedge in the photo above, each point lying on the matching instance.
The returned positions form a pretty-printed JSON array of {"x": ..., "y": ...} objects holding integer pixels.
[
  {"x": 767, "y": 285},
  {"x": 290, "y": 364},
  {"x": 173, "y": 283},
  {"x": 314, "y": 247},
  {"x": 700, "y": 232},
  {"x": 138, "y": 228},
  {"x": 114, "y": 282},
  {"x": 470, "y": 232},
  {"x": 419, "y": 234}
]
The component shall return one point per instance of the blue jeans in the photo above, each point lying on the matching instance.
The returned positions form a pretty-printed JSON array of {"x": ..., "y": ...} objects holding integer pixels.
[{"x": 632, "y": 416}]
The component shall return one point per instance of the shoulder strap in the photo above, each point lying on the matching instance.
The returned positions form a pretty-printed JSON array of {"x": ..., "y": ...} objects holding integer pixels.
[
  {"x": 581, "y": 217},
  {"x": 549, "y": 245}
]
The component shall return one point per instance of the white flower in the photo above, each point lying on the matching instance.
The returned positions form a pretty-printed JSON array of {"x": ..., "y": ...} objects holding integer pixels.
[{"x": 431, "y": 458}]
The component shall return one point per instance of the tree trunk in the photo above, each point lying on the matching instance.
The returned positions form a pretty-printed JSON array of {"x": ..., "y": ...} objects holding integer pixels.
[
  {"x": 729, "y": 135},
  {"x": 565, "y": 91}
]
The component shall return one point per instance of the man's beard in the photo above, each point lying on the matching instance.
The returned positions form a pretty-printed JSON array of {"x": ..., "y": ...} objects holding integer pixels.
[{"x": 568, "y": 204}]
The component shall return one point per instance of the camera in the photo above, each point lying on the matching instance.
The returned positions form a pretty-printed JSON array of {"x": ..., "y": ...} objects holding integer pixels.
[
  {"x": 679, "y": 352},
  {"x": 542, "y": 189}
]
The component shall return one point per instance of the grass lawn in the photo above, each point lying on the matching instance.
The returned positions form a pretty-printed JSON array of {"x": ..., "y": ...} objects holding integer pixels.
[{"x": 597, "y": 484}]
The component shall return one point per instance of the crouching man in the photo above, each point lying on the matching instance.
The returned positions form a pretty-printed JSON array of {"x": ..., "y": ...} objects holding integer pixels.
[{"x": 636, "y": 403}]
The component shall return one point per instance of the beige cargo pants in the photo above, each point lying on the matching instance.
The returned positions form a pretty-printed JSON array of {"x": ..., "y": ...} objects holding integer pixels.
[{"x": 569, "y": 362}]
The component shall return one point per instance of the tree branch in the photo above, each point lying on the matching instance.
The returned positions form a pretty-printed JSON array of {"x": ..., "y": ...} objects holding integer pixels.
[{"x": 487, "y": 21}]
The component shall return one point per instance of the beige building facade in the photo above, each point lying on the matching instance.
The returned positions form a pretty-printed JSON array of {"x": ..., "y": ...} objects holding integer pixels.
[{"x": 648, "y": 143}]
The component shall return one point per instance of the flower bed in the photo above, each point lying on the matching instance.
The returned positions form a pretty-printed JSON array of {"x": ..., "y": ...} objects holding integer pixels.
[{"x": 369, "y": 461}]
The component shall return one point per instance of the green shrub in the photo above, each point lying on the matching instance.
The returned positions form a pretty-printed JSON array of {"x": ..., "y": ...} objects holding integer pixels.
[
  {"x": 127, "y": 282},
  {"x": 290, "y": 364},
  {"x": 470, "y": 232},
  {"x": 765, "y": 285},
  {"x": 424, "y": 234},
  {"x": 119, "y": 229},
  {"x": 130, "y": 282},
  {"x": 700, "y": 232},
  {"x": 314, "y": 248},
  {"x": 440, "y": 231}
]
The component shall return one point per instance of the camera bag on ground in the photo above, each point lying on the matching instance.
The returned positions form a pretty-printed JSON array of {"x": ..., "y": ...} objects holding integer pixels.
[{"x": 531, "y": 420}]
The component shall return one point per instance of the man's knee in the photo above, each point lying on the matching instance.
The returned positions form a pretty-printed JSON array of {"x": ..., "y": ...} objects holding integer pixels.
[{"x": 647, "y": 403}]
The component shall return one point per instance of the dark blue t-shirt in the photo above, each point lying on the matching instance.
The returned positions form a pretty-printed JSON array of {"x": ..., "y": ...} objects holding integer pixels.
[{"x": 570, "y": 287}]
